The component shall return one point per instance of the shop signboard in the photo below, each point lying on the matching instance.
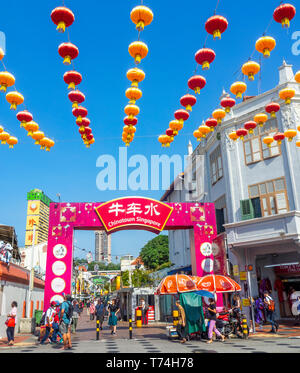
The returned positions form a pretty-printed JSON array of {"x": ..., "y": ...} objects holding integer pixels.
[
  {"x": 288, "y": 269},
  {"x": 134, "y": 213},
  {"x": 243, "y": 276},
  {"x": 236, "y": 271},
  {"x": 246, "y": 302}
]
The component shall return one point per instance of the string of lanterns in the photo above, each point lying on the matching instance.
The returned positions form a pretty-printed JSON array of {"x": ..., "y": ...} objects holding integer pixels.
[
  {"x": 141, "y": 16},
  {"x": 63, "y": 18},
  {"x": 215, "y": 26},
  {"x": 264, "y": 45},
  {"x": 15, "y": 98}
]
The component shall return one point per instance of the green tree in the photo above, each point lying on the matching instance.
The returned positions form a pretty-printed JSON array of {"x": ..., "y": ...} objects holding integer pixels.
[
  {"x": 139, "y": 278},
  {"x": 155, "y": 252}
]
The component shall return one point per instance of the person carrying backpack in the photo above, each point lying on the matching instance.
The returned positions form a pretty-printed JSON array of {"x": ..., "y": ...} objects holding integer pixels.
[
  {"x": 66, "y": 313},
  {"x": 49, "y": 318},
  {"x": 270, "y": 310}
]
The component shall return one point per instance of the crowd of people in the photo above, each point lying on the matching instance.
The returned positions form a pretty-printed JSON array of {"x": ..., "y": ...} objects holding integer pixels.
[{"x": 264, "y": 314}]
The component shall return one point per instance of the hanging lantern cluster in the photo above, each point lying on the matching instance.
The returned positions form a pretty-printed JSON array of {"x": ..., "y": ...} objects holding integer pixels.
[
  {"x": 6, "y": 138},
  {"x": 15, "y": 98},
  {"x": 141, "y": 16},
  {"x": 204, "y": 57},
  {"x": 264, "y": 45},
  {"x": 63, "y": 18}
]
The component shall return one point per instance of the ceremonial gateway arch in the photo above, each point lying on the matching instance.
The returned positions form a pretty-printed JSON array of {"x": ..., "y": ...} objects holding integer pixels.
[{"x": 119, "y": 214}]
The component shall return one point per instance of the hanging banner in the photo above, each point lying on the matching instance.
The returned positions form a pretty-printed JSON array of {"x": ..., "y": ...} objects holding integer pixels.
[{"x": 134, "y": 213}]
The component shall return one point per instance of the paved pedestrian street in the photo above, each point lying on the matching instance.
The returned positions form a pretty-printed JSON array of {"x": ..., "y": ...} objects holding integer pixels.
[{"x": 153, "y": 339}]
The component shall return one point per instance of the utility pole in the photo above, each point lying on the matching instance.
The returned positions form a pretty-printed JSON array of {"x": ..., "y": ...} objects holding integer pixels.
[{"x": 31, "y": 279}]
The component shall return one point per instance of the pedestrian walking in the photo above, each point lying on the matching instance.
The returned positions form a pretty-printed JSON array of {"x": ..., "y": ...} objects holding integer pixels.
[
  {"x": 92, "y": 310},
  {"x": 212, "y": 317},
  {"x": 76, "y": 315},
  {"x": 49, "y": 318},
  {"x": 270, "y": 311},
  {"x": 113, "y": 310},
  {"x": 100, "y": 312},
  {"x": 180, "y": 327},
  {"x": 66, "y": 314},
  {"x": 88, "y": 303},
  {"x": 55, "y": 325},
  {"x": 259, "y": 309},
  {"x": 11, "y": 323}
]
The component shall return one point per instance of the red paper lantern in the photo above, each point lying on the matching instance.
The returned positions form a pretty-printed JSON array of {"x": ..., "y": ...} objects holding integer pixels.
[
  {"x": 216, "y": 25},
  {"x": 68, "y": 52},
  {"x": 250, "y": 126},
  {"x": 169, "y": 132},
  {"x": 72, "y": 78},
  {"x": 181, "y": 115},
  {"x": 85, "y": 122},
  {"x": 205, "y": 57},
  {"x": 87, "y": 131},
  {"x": 284, "y": 14},
  {"x": 130, "y": 121},
  {"x": 279, "y": 137},
  {"x": 188, "y": 101},
  {"x": 241, "y": 133},
  {"x": 62, "y": 17},
  {"x": 196, "y": 83},
  {"x": 76, "y": 97},
  {"x": 272, "y": 109},
  {"x": 80, "y": 112},
  {"x": 211, "y": 123},
  {"x": 24, "y": 117},
  {"x": 227, "y": 103}
]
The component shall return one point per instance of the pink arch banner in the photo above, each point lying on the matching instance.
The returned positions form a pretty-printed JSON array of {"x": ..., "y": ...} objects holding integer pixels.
[{"x": 119, "y": 214}]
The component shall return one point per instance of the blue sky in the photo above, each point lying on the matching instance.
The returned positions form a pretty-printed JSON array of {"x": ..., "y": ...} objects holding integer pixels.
[{"x": 102, "y": 31}]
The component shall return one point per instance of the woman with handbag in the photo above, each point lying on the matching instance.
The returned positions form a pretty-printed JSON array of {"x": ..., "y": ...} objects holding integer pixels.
[{"x": 11, "y": 323}]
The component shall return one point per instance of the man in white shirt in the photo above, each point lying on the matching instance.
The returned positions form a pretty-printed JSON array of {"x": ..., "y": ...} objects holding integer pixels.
[{"x": 48, "y": 321}]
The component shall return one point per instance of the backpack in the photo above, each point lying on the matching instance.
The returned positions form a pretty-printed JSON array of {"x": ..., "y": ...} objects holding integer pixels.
[
  {"x": 271, "y": 305},
  {"x": 70, "y": 311}
]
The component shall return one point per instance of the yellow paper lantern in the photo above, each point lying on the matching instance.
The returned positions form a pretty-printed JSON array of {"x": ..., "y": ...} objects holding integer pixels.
[
  {"x": 287, "y": 94},
  {"x": 138, "y": 50},
  {"x": 250, "y": 69},
  {"x": 265, "y": 45},
  {"x": 238, "y": 89},
  {"x": 141, "y": 16}
]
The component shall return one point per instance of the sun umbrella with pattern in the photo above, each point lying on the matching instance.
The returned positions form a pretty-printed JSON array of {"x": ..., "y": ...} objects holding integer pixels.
[{"x": 216, "y": 284}]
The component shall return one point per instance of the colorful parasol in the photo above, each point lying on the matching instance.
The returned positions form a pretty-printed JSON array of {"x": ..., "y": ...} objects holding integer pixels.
[{"x": 216, "y": 284}]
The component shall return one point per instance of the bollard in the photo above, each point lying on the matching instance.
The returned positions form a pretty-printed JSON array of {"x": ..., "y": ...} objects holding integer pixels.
[
  {"x": 97, "y": 328},
  {"x": 130, "y": 327},
  {"x": 138, "y": 318},
  {"x": 175, "y": 317},
  {"x": 24, "y": 310},
  {"x": 244, "y": 327},
  {"x": 31, "y": 308}
]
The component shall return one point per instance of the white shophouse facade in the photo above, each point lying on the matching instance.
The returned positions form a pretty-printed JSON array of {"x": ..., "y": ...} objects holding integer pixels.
[{"x": 256, "y": 191}]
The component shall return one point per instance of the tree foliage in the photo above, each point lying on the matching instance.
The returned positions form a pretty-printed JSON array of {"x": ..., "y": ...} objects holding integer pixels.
[
  {"x": 155, "y": 252},
  {"x": 102, "y": 266},
  {"x": 139, "y": 278}
]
